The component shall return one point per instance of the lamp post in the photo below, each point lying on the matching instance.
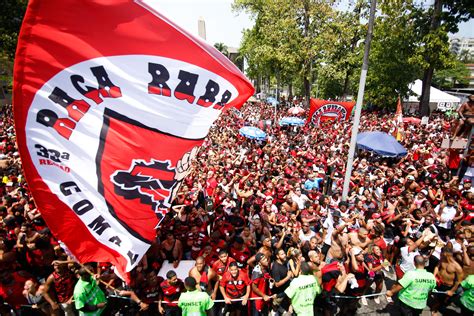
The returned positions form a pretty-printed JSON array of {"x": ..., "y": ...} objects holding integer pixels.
[{"x": 360, "y": 97}]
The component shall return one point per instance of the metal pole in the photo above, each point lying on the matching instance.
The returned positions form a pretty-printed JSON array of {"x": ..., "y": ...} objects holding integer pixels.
[{"x": 360, "y": 97}]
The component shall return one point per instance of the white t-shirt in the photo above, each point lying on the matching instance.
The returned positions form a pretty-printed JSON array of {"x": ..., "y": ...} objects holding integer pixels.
[
  {"x": 300, "y": 200},
  {"x": 407, "y": 262},
  {"x": 447, "y": 215},
  {"x": 457, "y": 247},
  {"x": 306, "y": 237},
  {"x": 329, "y": 226}
]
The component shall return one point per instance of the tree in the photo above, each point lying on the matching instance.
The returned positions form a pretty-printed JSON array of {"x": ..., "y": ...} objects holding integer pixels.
[
  {"x": 11, "y": 17},
  {"x": 346, "y": 55},
  {"x": 448, "y": 78},
  {"x": 288, "y": 38},
  {"x": 394, "y": 42},
  {"x": 222, "y": 48},
  {"x": 465, "y": 56},
  {"x": 433, "y": 53}
]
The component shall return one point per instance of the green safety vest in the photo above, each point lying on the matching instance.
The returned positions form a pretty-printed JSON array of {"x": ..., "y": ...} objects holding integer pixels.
[
  {"x": 195, "y": 303},
  {"x": 302, "y": 291},
  {"x": 467, "y": 298},
  {"x": 417, "y": 285},
  {"x": 88, "y": 293}
]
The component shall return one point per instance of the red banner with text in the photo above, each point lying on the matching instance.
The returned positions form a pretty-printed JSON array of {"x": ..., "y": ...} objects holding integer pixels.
[{"x": 323, "y": 110}]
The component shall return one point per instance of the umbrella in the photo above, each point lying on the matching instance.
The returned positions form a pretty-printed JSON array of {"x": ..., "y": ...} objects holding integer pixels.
[
  {"x": 412, "y": 120},
  {"x": 272, "y": 101},
  {"x": 291, "y": 120},
  {"x": 296, "y": 110},
  {"x": 381, "y": 143},
  {"x": 252, "y": 132}
]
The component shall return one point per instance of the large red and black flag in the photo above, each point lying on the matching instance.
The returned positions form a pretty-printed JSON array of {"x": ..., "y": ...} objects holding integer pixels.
[{"x": 111, "y": 102}]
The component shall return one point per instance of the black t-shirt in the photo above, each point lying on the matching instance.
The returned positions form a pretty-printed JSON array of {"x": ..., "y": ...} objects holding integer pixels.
[{"x": 279, "y": 272}]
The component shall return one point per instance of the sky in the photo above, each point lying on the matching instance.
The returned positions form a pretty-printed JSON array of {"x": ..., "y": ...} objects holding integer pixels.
[{"x": 224, "y": 25}]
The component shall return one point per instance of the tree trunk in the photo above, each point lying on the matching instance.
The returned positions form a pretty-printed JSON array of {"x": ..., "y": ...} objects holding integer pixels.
[
  {"x": 425, "y": 92},
  {"x": 278, "y": 85},
  {"x": 345, "y": 90},
  {"x": 258, "y": 87},
  {"x": 428, "y": 74},
  {"x": 307, "y": 84}
]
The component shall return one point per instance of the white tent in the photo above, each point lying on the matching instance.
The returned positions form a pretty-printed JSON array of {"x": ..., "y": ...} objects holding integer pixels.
[{"x": 439, "y": 100}]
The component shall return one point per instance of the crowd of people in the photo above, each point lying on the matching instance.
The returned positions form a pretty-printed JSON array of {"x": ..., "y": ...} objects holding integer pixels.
[{"x": 265, "y": 224}]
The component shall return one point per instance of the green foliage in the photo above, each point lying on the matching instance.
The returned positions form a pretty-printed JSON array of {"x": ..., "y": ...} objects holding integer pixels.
[
  {"x": 288, "y": 37},
  {"x": 394, "y": 45},
  {"x": 455, "y": 75},
  {"x": 222, "y": 48},
  {"x": 11, "y": 16}
]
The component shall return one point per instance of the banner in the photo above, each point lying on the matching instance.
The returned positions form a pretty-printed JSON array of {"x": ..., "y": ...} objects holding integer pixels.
[
  {"x": 111, "y": 103},
  {"x": 322, "y": 110}
]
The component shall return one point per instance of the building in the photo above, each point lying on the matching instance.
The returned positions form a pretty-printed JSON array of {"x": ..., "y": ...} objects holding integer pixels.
[
  {"x": 470, "y": 67},
  {"x": 202, "y": 28},
  {"x": 462, "y": 47}
]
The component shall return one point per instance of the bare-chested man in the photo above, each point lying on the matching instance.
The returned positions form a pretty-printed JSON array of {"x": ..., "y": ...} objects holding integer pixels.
[
  {"x": 339, "y": 241},
  {"x": 205, "y": 276},
  {"x": 316, "y": 264},
  {"x": 450, "y": 273},
  {"x": 466, "y": 115},
  {"x": 172, "y": 250},
  {"x": 359, "y": 239},
  {"x": 266, "y": 249}
]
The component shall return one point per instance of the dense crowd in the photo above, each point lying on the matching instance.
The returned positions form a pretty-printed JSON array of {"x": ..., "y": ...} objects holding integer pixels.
[{"x": 255, "y": 215}]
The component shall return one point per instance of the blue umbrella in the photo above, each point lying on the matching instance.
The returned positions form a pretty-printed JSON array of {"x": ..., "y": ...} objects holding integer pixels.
[
  {"x": 253, "y": 133},
  {"x": 381, "y": 143},
  {"x": 272, "y": 101},
  {"x": 291, "y": 120}
]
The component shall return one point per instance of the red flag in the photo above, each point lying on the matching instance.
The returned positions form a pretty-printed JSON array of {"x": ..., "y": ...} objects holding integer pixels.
[
  {"x": 399, "y": 121},
  {"x": 111, "y": 102},
  {"x": 322, "y": 110},
  {"x": 399, "y": 113}
]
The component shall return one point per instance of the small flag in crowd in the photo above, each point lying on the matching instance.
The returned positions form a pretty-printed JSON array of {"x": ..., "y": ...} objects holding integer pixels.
[{"x": 399, "y": 120}]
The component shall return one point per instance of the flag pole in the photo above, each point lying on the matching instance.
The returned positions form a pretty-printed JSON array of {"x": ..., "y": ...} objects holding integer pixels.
[{"x": 360, "y": 97}]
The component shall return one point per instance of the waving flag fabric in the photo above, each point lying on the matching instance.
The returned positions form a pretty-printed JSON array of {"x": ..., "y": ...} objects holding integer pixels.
[{"x": 111, "y": 103}]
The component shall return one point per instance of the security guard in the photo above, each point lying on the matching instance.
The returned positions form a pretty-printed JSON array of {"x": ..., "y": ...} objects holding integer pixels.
[
  {"x": 194, "y": 302},
  {"x": 467, "y": 298},
  {"x": 89, "y": 299},
  {"x": 302, "y": 291},
  {"x": 414, "y": 288}
]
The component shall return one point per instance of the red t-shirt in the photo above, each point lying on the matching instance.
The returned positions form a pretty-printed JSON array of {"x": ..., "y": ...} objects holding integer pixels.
[
  {"x": 171, "y": 293},
  {"x": 235, "y": 287},
  {"x": 220, "y": 267}
]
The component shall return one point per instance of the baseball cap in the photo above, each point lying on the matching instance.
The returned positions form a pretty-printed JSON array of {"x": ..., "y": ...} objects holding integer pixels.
[
  {"x": 336, "y": 214},
  {"x": 467, "y": 181},
  {"x": 356, "y": 251},
  {"x": 410, "y": 177}
]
